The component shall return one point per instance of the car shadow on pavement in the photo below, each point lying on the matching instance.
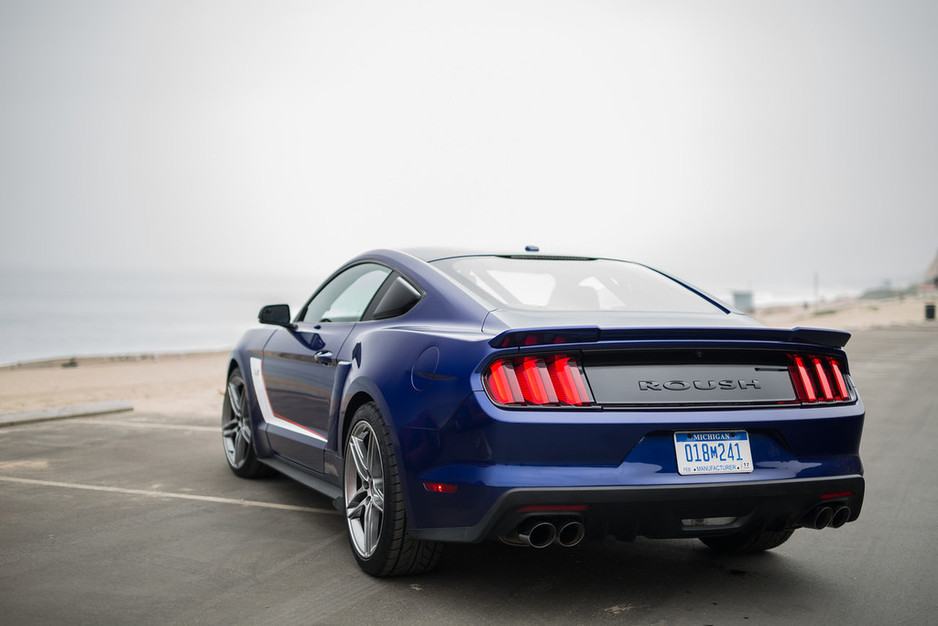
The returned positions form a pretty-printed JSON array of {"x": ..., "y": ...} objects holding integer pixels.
[{"x": 649, "y": 580}]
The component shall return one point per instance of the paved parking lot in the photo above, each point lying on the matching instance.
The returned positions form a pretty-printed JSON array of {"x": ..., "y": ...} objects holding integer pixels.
[{"x": 136, "y": 518}]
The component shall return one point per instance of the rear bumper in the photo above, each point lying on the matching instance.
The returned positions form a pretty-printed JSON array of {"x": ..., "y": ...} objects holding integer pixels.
[{"x": 665, "y": 511}]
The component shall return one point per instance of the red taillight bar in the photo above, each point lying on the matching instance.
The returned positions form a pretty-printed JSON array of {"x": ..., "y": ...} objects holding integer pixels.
[
  {"x": 503, "y": 384},
  {"x": 822, "y": 377},
  {"x": 568, "y": 381},
  {"x": 536, "y": 381},
  {"x": 839, "y": 380},
  {"x": 818, "y": 379},
  {"x": 806, "y": 388}
]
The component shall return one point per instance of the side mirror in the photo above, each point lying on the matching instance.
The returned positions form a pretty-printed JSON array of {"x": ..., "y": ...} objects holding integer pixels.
[{"x": 276, "y": 314}]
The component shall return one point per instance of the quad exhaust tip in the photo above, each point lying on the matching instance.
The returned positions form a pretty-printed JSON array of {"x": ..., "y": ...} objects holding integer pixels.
[
  {"x": 841, "y": 515},
  {"x": 570, "y": 534},
  {"x": 825, "y": 516},
  {"x": 537, "y": 533},
  {"x": 540, "y": 533}
]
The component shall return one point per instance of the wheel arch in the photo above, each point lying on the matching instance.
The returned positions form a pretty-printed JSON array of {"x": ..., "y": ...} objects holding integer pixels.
[
  {"x": 361, "y": 392},
  {"x": 355, "y": 402},
  {"x": 241, "y": 360}
]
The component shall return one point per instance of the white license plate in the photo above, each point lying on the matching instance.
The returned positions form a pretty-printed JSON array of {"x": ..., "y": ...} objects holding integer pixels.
[{"x": 713, "y": 452}]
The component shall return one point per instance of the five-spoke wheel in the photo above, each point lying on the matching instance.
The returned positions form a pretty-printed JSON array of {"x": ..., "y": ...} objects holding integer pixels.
[
  {"x": 374, "y": 502},
  {"x": 236, "y": 430},
  {"x": 364, "y": 489}
]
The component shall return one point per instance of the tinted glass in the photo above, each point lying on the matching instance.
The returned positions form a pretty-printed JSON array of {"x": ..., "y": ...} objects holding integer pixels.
[
  {"x": 345, "y": 297},
  {"x": 400, "y": 297},
  {"x": 572, "y": 285}
]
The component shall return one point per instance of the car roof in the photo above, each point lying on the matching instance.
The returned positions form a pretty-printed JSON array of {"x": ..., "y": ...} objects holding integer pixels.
[
  {"x": 409, "y": 259},
  {"x": 430, "y": 254}
]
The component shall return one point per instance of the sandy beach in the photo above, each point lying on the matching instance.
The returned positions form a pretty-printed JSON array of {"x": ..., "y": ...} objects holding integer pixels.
[
  {"x": 168, "y": 384},
  {"x": 852, "y": 315},
  {"x": 194, "y": 383}
]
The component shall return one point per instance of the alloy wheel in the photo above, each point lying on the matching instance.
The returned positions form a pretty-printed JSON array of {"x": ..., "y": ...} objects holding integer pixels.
[
  {"x": 236, "y": 427},
  {"x": 364, "y": 489}
]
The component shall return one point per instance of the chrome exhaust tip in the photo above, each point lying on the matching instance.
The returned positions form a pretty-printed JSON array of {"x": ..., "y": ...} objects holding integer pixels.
[
  {"x": 820, "y": 518},
  {"x": 570, "y": 533},
  {"x": 841, "y": 515},
  {"x": 537, "y": 533}
]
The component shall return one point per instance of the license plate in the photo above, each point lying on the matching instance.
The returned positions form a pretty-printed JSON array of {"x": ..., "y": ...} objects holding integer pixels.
[{"x": 714, "y": 452}]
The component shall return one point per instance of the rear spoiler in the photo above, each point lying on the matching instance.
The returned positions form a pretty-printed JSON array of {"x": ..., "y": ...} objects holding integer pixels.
[{"x": 580, "y": 334}]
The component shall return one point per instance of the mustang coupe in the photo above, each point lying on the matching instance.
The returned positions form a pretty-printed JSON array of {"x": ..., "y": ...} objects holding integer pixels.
[{"x": 447, "y": 396}]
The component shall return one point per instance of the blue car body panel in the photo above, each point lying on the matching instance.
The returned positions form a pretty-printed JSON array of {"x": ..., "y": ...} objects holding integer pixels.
[{"x": 424, "y": 371}]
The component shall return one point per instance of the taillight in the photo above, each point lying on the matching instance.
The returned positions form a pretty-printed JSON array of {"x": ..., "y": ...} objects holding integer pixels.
[
  {"x": 537, "y": 381},
  {"x": 818, "y": 379}
]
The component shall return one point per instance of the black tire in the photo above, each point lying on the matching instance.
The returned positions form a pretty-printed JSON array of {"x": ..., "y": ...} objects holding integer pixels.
[
  {"x": 237, "y": 430},
  {"x": 747, "y": 543},
  {"x": 374, "y": 503}
]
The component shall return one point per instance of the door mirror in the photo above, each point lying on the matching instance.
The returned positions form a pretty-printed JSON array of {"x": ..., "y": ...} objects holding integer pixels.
[{"x": 276, "y": 314}]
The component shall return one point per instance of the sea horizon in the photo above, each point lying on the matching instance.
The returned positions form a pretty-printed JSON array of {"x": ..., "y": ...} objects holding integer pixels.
[
  {"x": 50, "y": 314},
  {"x": 54, "y": 314}
]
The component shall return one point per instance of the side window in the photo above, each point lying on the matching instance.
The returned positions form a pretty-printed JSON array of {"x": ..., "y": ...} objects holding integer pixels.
[
  {"x": 398, "y": 298},
  {"x": 345, "y": 297}
]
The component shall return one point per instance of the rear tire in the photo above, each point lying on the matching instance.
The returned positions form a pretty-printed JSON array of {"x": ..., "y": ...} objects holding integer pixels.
[
  {"x": 747, "y": 543},
  {"x": 374, "y": 503}
]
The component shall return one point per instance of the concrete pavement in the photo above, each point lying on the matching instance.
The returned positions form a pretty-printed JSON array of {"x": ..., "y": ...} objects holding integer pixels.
[{"x": 135, "y": 518}]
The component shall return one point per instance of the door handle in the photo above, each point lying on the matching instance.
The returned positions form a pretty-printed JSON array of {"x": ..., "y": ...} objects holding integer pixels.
[{"x": 324, "y": 357}]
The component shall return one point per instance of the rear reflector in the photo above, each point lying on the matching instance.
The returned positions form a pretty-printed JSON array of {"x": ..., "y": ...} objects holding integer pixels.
[
  {"x": 439, "y": 487},
  {"x": 818, "y": 379},
  {"x": 839, "y": 494},
  {"x": 536, "y": 381},
  {"x": 553, "y": 508}
]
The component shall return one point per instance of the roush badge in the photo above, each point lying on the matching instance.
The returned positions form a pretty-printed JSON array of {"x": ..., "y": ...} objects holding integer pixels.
[
  {"x": 700, "y": 385},
  {"x": 707, "y": 384}
]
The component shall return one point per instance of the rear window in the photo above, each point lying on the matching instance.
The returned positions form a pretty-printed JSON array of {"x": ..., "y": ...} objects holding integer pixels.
[{"x": 540, "y": 284}]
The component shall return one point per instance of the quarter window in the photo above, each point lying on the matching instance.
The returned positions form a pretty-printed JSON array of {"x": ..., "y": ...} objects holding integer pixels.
[{"x": 399, "y": 298}]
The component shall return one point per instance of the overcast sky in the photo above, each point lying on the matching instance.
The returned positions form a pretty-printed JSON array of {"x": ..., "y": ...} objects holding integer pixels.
[{"x": 738, "y": 144}]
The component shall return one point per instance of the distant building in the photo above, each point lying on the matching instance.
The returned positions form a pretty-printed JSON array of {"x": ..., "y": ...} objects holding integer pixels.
[
  {"x": 931, "y": 274},
  {"x": 742, "y": 300}
]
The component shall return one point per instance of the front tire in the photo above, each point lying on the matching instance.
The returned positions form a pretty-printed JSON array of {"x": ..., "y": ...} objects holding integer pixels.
[
  {"x": 374, "y": 503},
  {"x": 237, "y": 430}
]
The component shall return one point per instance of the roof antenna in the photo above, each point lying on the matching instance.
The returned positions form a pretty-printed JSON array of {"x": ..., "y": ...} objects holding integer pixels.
[{"x": 531, "y": 249}]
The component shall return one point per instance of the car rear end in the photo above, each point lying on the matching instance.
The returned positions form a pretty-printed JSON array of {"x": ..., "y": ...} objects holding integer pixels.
[{"x": 675, "y": 427}]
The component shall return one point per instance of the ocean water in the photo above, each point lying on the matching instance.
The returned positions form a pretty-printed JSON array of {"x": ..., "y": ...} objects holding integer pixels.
[{"x": 46, "y": 314}]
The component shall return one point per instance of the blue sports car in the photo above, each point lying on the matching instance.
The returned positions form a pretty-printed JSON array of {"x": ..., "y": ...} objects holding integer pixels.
[{"x": 447, "y": 396}]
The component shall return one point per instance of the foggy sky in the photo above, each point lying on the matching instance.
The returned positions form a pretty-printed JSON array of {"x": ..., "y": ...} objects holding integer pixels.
[{"x": 737, "y": 144}]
